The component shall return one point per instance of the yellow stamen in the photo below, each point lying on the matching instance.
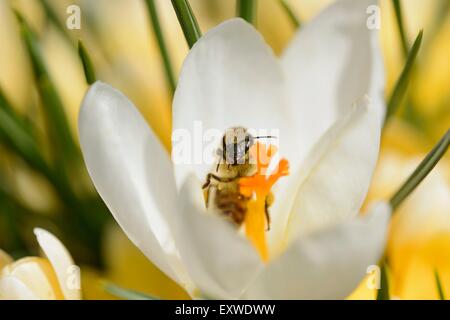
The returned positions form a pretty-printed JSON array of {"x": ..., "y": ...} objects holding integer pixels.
[
  {"x": 255, "y": 225},
  {"x": 257, "y": 187}
]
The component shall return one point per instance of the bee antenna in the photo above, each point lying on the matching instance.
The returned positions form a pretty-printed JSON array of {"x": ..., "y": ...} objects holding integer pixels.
[{"x": 266, "y": 137}]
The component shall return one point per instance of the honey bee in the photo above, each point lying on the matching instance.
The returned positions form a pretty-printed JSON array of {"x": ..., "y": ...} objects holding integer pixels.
[{"x": 221, "y": 188}]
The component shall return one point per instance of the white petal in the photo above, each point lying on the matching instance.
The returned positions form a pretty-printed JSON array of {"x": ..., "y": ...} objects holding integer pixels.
[
  {"x": 38, "y": 275},
  {"x": 60, "y": 259},
  {"x": 229, "y": 78},
  {"x": 219, "y": 259},
  {"x": 131, "y": 171},
  {"x": 327, "y": 264},
  {"x": 331, "y": 62},
  {"x": 336, "y": 175},
  {"x": 12, "y": 288}
]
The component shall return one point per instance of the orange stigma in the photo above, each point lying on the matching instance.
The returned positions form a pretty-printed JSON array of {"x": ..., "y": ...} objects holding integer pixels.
[{"x": 257, "y": 188}]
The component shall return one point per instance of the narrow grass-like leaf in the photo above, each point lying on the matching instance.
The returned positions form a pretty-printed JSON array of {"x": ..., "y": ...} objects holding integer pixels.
[
  {"x": 402, "y": 83},
  {"x": 157, "y": 31},
  {"x": 57, "y": 122},
  {"x": 383, "y": 292},
  {"x": 64, "y": 148},
  {"x": 400, "y": 25},
  {"x": 21, "y": 213},
  {"x": 290, "y": 13},
  {"x": 21, "y": 142},
  {"x": 7, "y": 107},
  {"x": 15, "y": 135},
  {"x": 422, "y": 170},
  {"x": 127, "y": 294},
  {"x": 187, "y": 21},
  {"x": 246, "y": 9},
  {"x": 10, "y": 218},
  {"x": 439, "y": 285},
  {"x": 88, "y": 67},
  {"x": 51, "y": 15},
  {"x": 20, "y": 120}
]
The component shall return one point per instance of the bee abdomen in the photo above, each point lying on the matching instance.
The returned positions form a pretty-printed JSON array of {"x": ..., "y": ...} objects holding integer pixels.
[{"x": 232, "y": 205}]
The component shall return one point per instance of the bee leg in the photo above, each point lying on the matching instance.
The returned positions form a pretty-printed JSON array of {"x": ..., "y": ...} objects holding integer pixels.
[
  {"x": 220, "y": 154},
  {"x": 266, "y": 210},
  {"x": 209, "y": 196},
  {"x": 206, "y": 196},
  {"x": 208, "y": 181},
  {"x": 268, "y": 202},
  {"x": 213, "y": 176}
]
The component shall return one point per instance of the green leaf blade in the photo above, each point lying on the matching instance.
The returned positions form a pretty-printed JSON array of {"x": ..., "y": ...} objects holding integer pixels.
[
  {"x": 124, "y": 293},
  {"x": 157, "y": 31},
  {"x": 401, "y": 86},
  {"x": 57, "y": 121},
  {"x": 187, "y": 21},
  {"x": 18, "y": 140},
  {"x": 422, "y": 170},
  {"x": 7, "y": 107},
  {"x": 88, "y": 67},
  {"x": 246, "y": 9},
  {"x": 290, "y": 13},
  {"x": 51, "y": 15},
  {"x": 439, "y": 287},
  {"x": 400, "y": 25},
  {"x": 383, "y": 292}
]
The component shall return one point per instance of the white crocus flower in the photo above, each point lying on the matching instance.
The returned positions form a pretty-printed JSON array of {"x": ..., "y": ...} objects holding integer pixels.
[
  {"x": 53, "y": 276},
  {"x": 316, "y": 95}
]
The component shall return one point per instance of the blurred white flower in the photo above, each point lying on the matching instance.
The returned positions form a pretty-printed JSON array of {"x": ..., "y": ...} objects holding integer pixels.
[
  {"x": 419, "y": 234},
  {"x": 53, "y": 276},
  {"x": 314, "y": 95}
]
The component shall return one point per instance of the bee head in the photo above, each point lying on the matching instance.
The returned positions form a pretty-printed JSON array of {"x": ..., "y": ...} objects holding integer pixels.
[{"x": 236, "y": 143}]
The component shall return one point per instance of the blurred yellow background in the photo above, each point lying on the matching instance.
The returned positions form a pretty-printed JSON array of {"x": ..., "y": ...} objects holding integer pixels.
[{"x": 119, "y": 38}]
